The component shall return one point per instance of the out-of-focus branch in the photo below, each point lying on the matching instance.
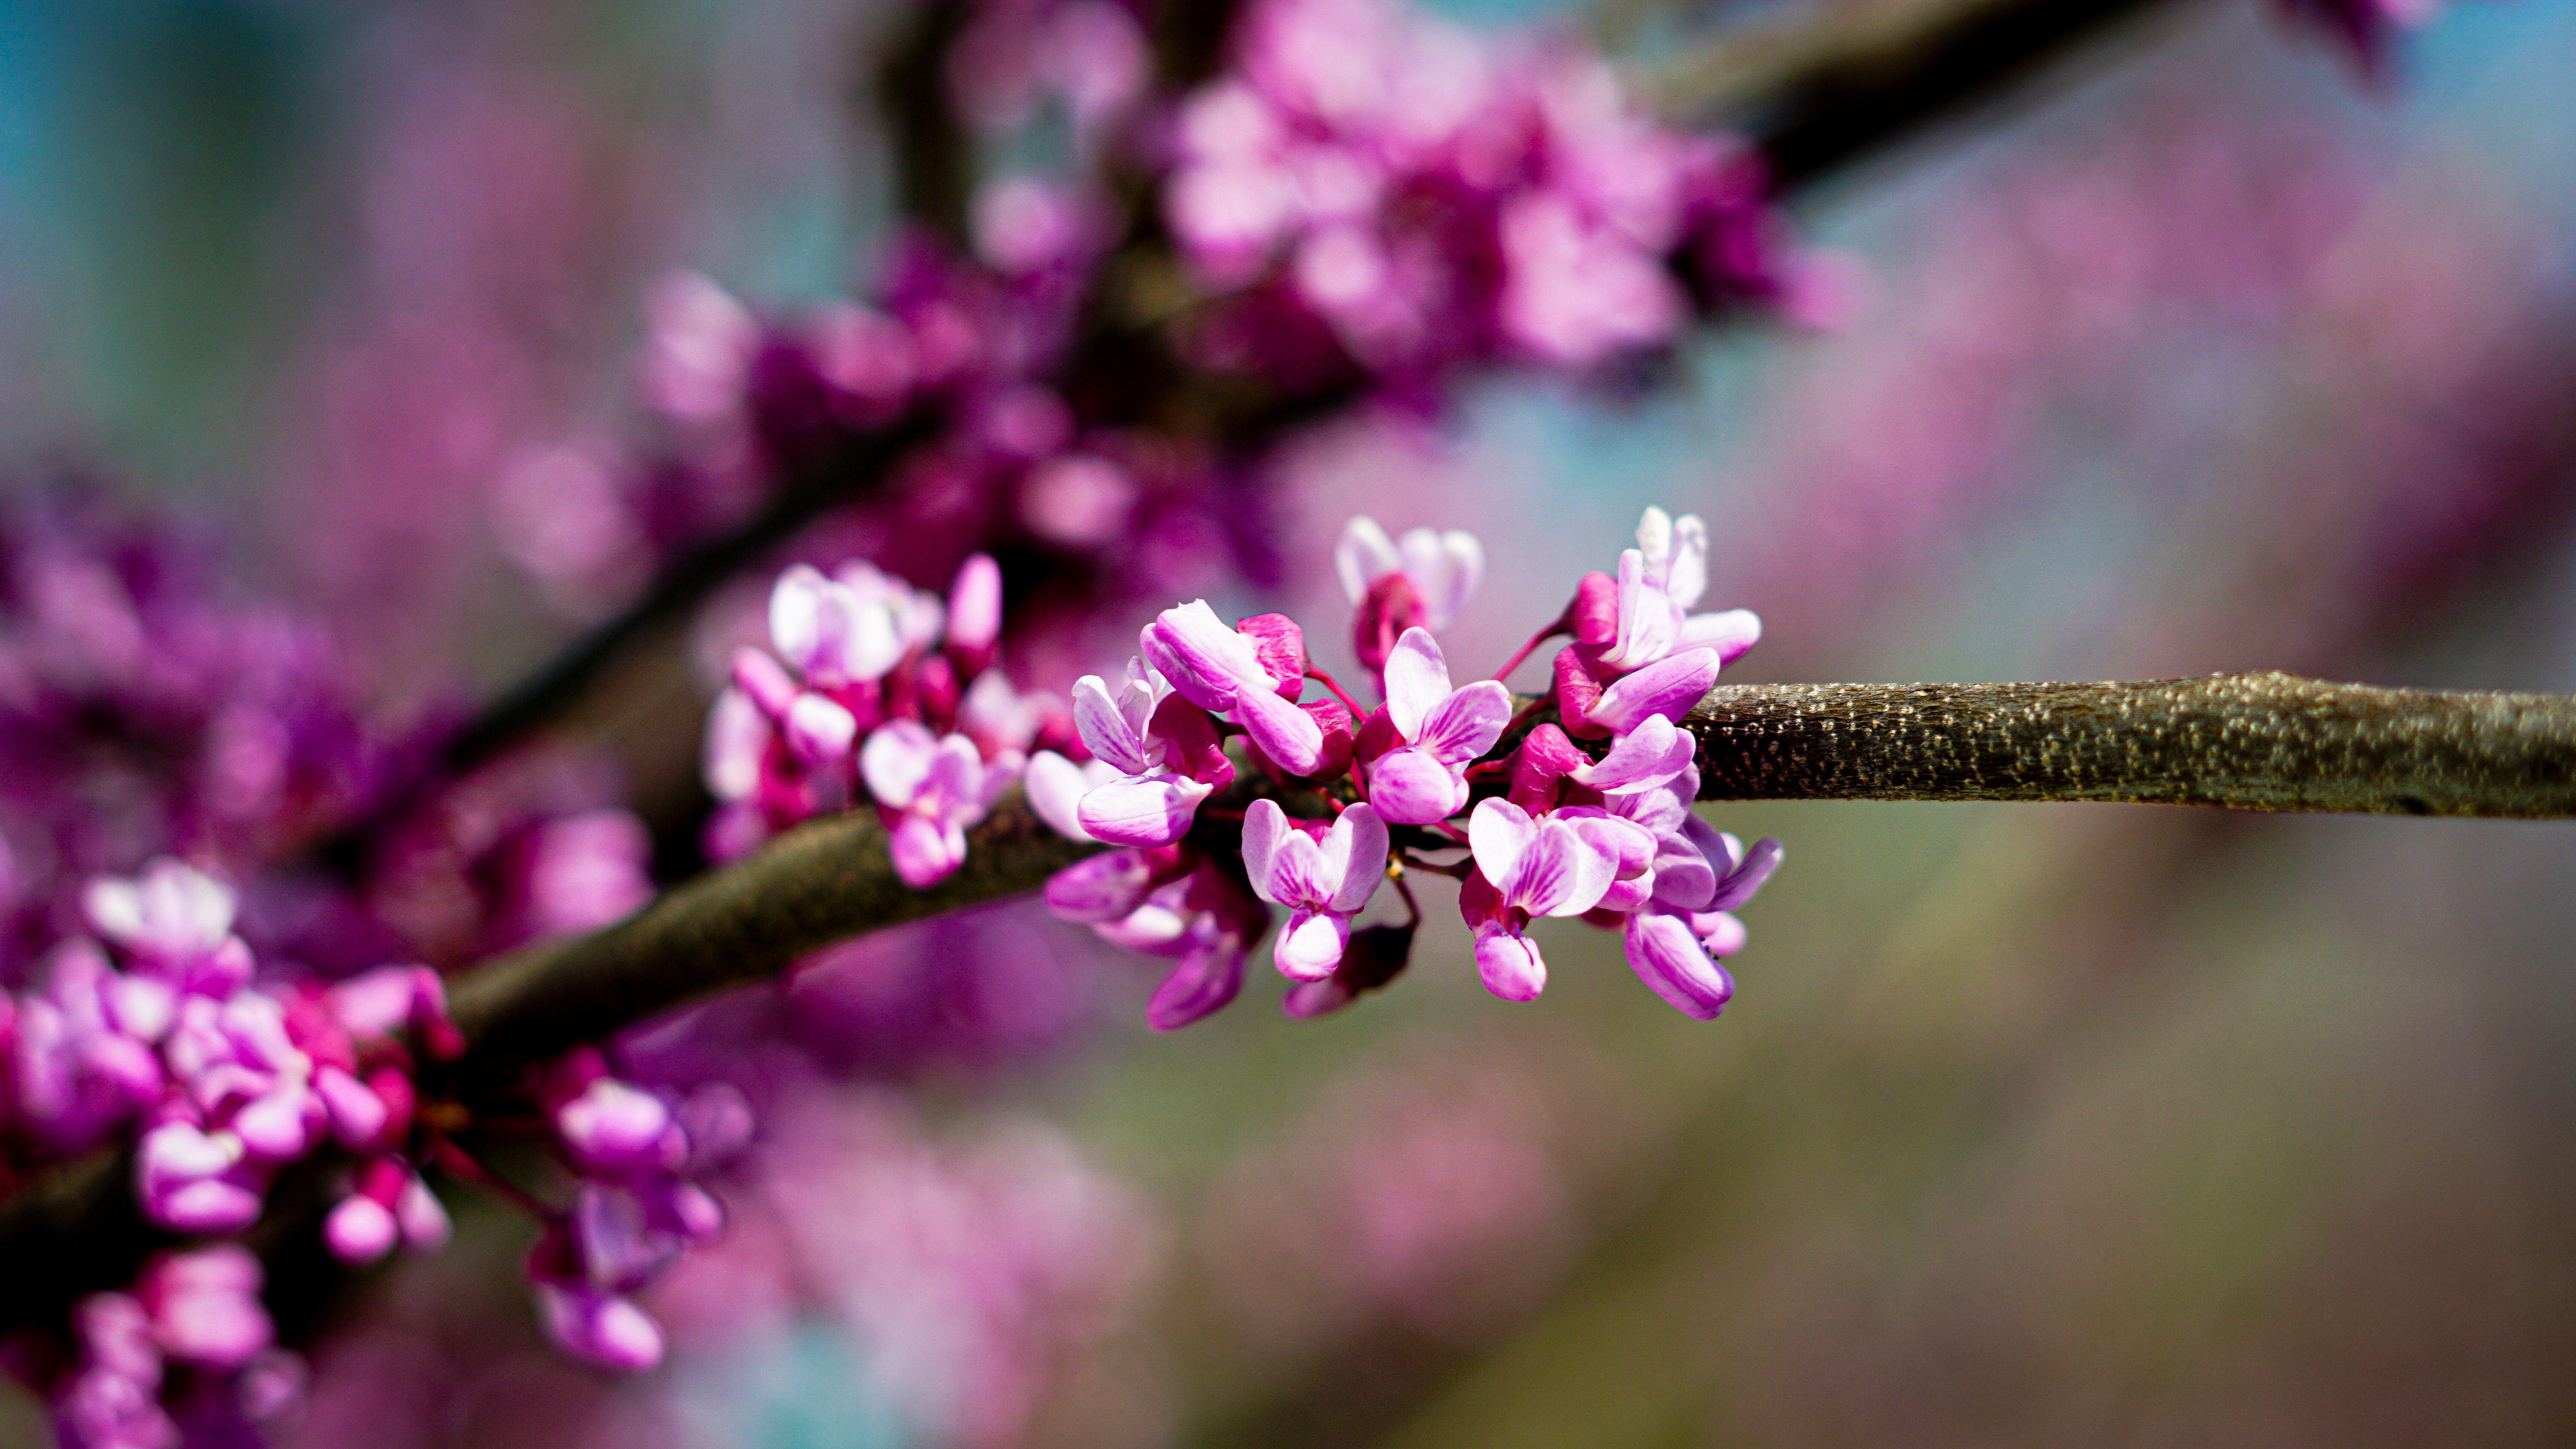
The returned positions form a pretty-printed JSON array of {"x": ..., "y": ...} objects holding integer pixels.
[
  {"x": 2240, "y": 741},
  {"x": 825, "y": 881},
  {"x": 1820, "y": 91},
  {"x": 1817, "y": 94}
]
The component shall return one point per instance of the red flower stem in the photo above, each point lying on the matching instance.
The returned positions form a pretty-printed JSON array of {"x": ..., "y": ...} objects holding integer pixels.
[
  {"x": 464, "y": 1165},
  {"x": 1348, "y": 703},
  {"x": 1541, "y": 637}
]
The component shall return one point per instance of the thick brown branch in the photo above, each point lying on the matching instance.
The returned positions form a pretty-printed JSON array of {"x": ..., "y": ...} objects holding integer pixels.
[
  {"x": 825, "y": 881},
  {"x": 2242, "y": 741}
]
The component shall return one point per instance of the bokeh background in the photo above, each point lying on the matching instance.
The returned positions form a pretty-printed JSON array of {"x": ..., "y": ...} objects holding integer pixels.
[{"x": 2028, "y": 1126}]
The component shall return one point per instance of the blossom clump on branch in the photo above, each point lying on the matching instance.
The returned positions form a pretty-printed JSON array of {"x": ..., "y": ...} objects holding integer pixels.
[{"x": 1229, "y": 794}]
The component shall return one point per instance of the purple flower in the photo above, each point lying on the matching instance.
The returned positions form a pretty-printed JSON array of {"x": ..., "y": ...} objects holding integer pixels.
[
  {"x": 1648, "y": 756},
  {"x": 83, "y": 1052},
  {"x": 1443, "y": 730},
  {"x": 1660, "y": 581},
  {"x": 1164, "y": 749},
  {"x": 1526, "y": 868},
  {"x": 390, "y": 1205},
  {"x": 1423, "y": 578},
  {"x": 929, "y": 790},
  {"x": 1056, "y": 785},
  {"x": 832, "y": 633},
  {"x": 204, "y": 1306},
  {"x": 176, "y": 924},
  {"x": 1323, "y": 881},
  {"x": 1673, "y": 945},
  {"x": 1667, "y": 688},
  {"x": 1221, "y": 670}
]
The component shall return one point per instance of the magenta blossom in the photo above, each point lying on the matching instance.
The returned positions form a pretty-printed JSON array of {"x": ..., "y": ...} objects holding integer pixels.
[
  {"x": 1324, "y": 876},
  {"x": 1423, "y": 578},
  {"x": 1526, "y": 868},
  {"x": 1660, "y": 582},
  {"x": 1224, "y": 671},
  {"x": 1165, "y": 750},
  {"x": 1441, "y": 730},
  {"x": 1674, "y": 943},
  {"x": 1056, "y": 785},
  {"x": 929, "y": 790}
]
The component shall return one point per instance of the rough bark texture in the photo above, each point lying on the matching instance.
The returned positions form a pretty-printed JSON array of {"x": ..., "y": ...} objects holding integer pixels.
[
  {"x": 825, "y": 881},
  {"x": 2242, "y": 741}
]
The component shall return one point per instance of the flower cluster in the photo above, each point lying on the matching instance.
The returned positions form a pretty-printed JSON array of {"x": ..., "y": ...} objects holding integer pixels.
[
  {"x": 1392, "y": 188},
  {"x": 187, "y": 1357},
  {"x": 637, "y": 1155},
  {"x": 1336, "y": 800},
  {"x": 863, "y": 701},
  {"x": 156, "y": 1024}
]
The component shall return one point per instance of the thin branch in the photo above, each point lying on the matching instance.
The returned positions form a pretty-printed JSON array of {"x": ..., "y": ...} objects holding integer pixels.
[
  {"x": 2239, "y": 741},
  {"x": 1817, "y": 95}
]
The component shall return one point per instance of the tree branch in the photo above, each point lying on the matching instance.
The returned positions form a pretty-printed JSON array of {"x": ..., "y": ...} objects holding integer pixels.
[
  {"x": 2239, "y": 741},
  {"x": 825, "y": 881},
  {"x": 1819, "y": 95}
]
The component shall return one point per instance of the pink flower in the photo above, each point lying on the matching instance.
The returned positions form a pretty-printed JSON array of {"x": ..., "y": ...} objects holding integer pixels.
[
  {"x": 176, "y": 922},
  {"x": 830, "y": 633},
  {"x": 1424, "y": 779},
  {"x": 1526, "y": 868},
  {"x": 1166, "y": 752},
  {"x": 1674, "y": 944},
  {"x": 1423, "y": 579},
  {"x": 929, "y": 790},
  {"x": 205, "y": 1307},
  {"x": 975, "y": 612},
  {"x": 1323, "y": 881},
  {"x": 1222, "y": 671},
  {"x": 83, "y": 1049},
  {"x": 1575, "y": 291},
  {"x": 1660, "y": 581},
  {"x": 389, "y": 1206},
  {"x": 1056, "y": 785}
]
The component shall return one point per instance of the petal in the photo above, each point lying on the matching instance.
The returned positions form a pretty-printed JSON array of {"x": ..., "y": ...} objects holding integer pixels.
[
  {"x": 896, "y": 761},
  {"x": 1208, "y": 976},
  {"x": 1356, "y": 848},
  {"x": 1731, "y": 633},
  {"x": 1106, "y": 728},
  {"x": 737, "y": 737},
  {"x": 1444, "y": 569},
  {"x": 1055, "y": 787},
  {"x": 1684, "y": 876},
  {"x": 795, "y": 612},
  {"x": 1563, "y": 873},
  {"x": 1745, "y": 879},
  {"x": 1669, "y": 687},
  {"x": 1287, "y": 734},
  {"x": 1107, "y": 887},
  {"x": 114, "y": 909},
  {"x": 1466, "y": 724},
  {"x": 1202, "y": 656},
  {"x": 1720, "y": 933},
  {"x": 1311, "y": 944},
  {"x": 818, "y": 729},
  {"x": 1265, "y": 829},
  {"x": 1655, "y": 541},
  {"x": 1417, "y": 679},
  {"x": 1668, "y": 957},
  {"x": 975, "y": 603},
  {"x": 1143, "y": 810},
  {"x": 1643, "y": 758},
  {"x": 360, "y": 1230},
  {"x": 1510, "y": 966},
  {"x": 1648, "y": 622},
  {"x": 925, "y": 853},
  {"x": 1409, "y": 787},
  {"x": 1298, "y": 873},
  {"x": 1498, "y": 835},
  {"x": 1686, "y": 577},
  {"x": 1363, "y": 556}
]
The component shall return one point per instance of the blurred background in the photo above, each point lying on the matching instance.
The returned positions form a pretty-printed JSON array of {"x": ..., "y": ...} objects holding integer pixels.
[{"x": 2028, "y": 1125}]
